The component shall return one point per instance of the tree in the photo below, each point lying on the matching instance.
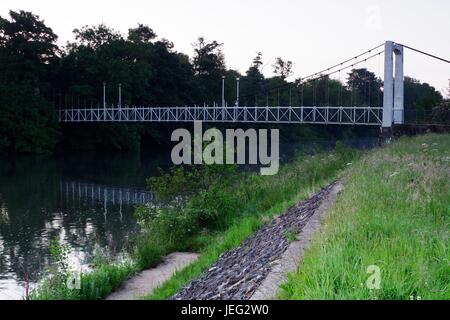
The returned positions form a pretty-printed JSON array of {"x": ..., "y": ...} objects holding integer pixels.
[
  {"x": 420, "y": 96},
  {"x": 448, "y": 90},
  {"x": 282, "y": 68},
  {"x": 209, "y": 67},
  {"x": 96, "y": 36},
  {"x": 208, "y": 57},
  {"x": 28, "y": 55},
  {"x": 365, "y": 86},
  {"x": 150, "y": 73},
  {"x": 142, "y": 33},
  {"x": 253, "y": 81}
]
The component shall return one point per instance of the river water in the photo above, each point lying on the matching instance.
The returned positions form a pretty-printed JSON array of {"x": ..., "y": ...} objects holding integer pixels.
[{"x": 85, "y": 200}]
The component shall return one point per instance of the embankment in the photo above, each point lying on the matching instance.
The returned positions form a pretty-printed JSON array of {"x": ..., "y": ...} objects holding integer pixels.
[{"x": 387, "y": 237}]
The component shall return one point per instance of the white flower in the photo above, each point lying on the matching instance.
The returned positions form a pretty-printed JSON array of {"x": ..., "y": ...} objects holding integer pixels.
[{"x": 394, "y": 174}]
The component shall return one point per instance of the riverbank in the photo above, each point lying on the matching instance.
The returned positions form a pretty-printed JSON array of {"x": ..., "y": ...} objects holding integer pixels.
[
  {"x": 244, "y": 204},
  {"x": 393, "y": 216},
  {"x": 387, "y": 236}
]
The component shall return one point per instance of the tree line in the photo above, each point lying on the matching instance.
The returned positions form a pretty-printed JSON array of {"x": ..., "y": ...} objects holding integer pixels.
[{"x": 37, "y": 76}]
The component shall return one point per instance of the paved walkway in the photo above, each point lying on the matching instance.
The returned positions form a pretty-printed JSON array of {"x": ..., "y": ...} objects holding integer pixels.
[{"x": 148, "y": 280}]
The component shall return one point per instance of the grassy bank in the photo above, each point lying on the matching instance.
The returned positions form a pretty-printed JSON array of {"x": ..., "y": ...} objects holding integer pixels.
[{"x": 393, "y": 214}]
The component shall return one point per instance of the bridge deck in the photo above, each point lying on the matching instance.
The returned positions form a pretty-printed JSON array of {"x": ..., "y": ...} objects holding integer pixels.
[{"x": 282, "y": 114}]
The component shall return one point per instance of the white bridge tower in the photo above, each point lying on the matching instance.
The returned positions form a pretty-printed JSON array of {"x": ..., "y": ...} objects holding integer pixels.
[{"x": 393, "y": 91}]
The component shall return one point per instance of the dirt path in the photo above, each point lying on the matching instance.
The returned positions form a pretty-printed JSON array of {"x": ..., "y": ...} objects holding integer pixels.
[
  {"x": 146, "y": 281},
  {"x": 239, "y": 273}
]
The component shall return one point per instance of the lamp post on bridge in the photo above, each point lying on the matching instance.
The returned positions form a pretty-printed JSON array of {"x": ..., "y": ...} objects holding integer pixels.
[
  {"x": 104, "y": 100},
  {"x": 223, "y": 91},
  {"x": 237, "y": 92},
  {"x": 120, "y": 95},
  {"x": 104, "y": 94}
]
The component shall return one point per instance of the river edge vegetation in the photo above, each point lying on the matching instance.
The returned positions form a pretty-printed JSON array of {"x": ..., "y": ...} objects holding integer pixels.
[
  {"x": 212, "y": 213},
  {"x": 394, "y": 214}
]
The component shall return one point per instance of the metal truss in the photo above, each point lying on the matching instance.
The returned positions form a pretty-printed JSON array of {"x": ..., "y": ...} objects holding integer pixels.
[{"x": 311, "y": 115}]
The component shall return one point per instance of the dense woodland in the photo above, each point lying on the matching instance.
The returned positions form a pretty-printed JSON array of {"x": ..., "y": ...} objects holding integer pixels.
[{"x": 37, "y": 76}]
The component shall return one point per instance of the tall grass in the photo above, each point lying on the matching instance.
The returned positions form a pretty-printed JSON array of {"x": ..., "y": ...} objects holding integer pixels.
[
  {"x": 107, "y": 276},
  {"x": 394, "y": 214}
]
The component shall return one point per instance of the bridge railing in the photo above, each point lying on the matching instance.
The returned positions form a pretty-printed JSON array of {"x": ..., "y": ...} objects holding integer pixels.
[{"x": 282, "y": 114}]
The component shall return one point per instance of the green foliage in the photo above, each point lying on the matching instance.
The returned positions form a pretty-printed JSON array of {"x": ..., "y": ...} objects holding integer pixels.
[
  {"x": 365, "y": 87},
  {"x": 60, "y": 253},
  {"x": 291, "y": 235},
  {"x": 189, "y": 201},
  {"x": 94, "y": 285},
  {"x": 441, "y": 113},
  {"x": 420, "y": 96},
  {"x": 27, "y": 54},
  {"x": 344, "y": 152},
  {"x": 182, "y": 182},
  {"x": 282, "y": 68}
]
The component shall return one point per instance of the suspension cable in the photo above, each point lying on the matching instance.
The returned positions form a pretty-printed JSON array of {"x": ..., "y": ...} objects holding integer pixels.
[
  {"x": 344, "y": 62},
  {"x": 301, "y": 80},
  {"x": 344, "y": 68},
  {"x": 425, "y": 53},
  {"x": 331, "y": 68}
]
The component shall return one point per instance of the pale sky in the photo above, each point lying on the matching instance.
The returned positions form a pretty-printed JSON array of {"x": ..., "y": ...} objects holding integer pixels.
[{"x": 313, "y": 34}]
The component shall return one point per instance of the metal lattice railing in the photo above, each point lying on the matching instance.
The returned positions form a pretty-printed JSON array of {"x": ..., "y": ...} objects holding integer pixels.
[{"x": 312, "y": 115}]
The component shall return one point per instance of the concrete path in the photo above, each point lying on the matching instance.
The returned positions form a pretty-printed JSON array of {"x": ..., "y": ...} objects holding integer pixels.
[{"x": 148, "y": 280}]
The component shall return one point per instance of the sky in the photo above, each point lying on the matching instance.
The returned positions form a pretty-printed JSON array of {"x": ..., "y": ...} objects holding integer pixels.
[{"x": 312, "y": 34}]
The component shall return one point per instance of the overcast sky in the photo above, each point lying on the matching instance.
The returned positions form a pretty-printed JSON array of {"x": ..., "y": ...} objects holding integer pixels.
[{"x": 313, "y": 34}]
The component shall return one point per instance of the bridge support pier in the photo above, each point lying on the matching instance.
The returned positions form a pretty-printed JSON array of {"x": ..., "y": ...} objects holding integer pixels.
[{"x": 393, "y": 90}]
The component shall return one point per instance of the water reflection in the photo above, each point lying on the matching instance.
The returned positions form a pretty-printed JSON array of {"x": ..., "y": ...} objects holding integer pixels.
[
  {"x": 70, "y": 191},
  {"x": 84, "y": 200}
]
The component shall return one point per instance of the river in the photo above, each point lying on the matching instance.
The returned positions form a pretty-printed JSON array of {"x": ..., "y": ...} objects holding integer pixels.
[{"x": 86, "y": 200}]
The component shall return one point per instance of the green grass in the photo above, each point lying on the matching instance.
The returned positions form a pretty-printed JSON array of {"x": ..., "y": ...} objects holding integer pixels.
[
  {"x": 393, "y": 213},
  {"x": 94, "y": 285}
]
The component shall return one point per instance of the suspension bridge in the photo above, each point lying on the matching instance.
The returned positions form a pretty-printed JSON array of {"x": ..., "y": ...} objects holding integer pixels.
[{"x": 387, "y": 112}]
